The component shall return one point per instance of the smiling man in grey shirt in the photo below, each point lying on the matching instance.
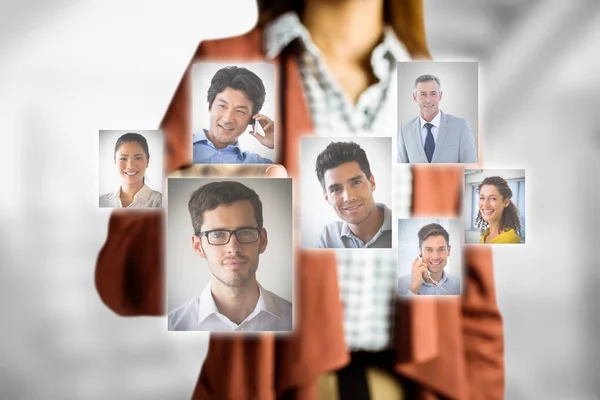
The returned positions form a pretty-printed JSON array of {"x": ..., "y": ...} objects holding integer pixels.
[{"x": 348, "y": 185}]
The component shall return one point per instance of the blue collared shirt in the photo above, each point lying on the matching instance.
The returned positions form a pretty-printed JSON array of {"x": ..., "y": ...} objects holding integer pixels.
[
  {"x": 450, "y": 283},
  {"x": 206, "y": 153},
  {"x": 339, "y": 235}
]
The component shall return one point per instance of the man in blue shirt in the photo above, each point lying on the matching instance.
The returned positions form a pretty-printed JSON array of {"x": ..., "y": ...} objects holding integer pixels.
[
  {"x": 427, "y": 276},
  {"x": 235, "y": 97}
]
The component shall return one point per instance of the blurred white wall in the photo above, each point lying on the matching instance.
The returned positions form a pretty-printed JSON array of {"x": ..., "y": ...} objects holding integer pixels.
[{"x": 69, "y": 69}]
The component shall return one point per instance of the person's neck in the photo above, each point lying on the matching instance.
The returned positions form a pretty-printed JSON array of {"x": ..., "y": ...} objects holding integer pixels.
[
  {"x": 367, "y": 229},
  {"x": 235, "y": 302},
  {"x": 437, "y": 276},
  {"x": 344, "y": 29},
  {"x": 493, "y": 230},
  {"x": 429, "y": 117},
  {"x": 217, "y": 144},
  {"x": 346, "y": 49},
  {"x": 128, "y": 190}
]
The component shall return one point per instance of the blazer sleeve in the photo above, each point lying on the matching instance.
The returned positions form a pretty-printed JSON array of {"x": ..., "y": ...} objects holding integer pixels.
[
  {"x": 481, "y": 321},
  {"x": 129, "y": 269},
  {"x": 129, "y": 272},
  {"x": 402, "y": 154},
  {"x": 468, "y": 150},
  {"x": 482, "y": 327}
]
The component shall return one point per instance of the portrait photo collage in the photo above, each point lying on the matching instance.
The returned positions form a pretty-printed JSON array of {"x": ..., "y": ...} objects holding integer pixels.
[{"x": 253, "y": 189}]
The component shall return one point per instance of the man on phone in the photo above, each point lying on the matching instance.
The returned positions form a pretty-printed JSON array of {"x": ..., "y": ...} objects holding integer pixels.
[
  {"x": 427, "y": 275},
  {"x": 348, "y": 184},
  {"x": 235, "y": 97}
]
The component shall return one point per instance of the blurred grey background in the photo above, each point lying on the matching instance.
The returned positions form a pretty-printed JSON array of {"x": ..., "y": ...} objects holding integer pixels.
[{"x": 70, "y": 68}]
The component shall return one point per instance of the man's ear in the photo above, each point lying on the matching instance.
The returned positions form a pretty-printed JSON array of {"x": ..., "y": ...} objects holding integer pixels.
[
  {"x": 264, "y": 240},
  {"x": 449, "y": 248},
  {"x": 325, "y": 196},
  {"x": 373, "y": 184},
  {"x": 415, "y": 96},
  {"x": 197, "y": 245},
  {"x": 441, "y": 95}
]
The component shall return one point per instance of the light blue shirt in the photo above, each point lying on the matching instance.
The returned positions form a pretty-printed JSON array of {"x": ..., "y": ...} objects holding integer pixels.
[
  {"x": 206, "y": 153},
  {"x": 450, "y": 283},
  {"x": 338, "y": 234}
]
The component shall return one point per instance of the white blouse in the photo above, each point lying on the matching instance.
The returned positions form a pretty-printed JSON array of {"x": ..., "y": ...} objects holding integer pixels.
[{"x": 144, "y": 198}]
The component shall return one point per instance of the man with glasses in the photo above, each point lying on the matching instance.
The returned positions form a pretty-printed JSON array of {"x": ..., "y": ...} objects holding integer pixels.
[
  {"x": 427, "y": 276},
  {"x": 228, "y": 227}
]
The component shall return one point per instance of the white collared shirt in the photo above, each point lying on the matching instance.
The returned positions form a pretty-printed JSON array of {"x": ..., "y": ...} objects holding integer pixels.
[
  {"x": 144, "y": 198},
  {"x": 434, "y": 130},
  {"x": 272, "y": 313}
]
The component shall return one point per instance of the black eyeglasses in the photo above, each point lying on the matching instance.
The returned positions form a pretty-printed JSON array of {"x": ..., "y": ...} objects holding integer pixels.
[{"x": 220, "y": 237}]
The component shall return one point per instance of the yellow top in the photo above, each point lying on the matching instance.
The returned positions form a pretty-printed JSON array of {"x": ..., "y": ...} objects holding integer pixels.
[{"x": 509, "y": 236}]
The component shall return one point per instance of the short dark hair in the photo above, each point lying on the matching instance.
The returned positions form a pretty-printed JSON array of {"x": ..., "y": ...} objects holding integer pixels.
[
  {"x": 238, "y": 78},
  {"x": 212, "y": 195},
  {"x": 338, "y": 153},
  {"x": 432, "y": 230},
  {"x": 132, "y": 137}
]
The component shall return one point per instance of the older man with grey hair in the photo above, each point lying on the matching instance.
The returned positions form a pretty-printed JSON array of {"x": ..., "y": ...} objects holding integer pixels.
[{"x": 434, "y": 136}]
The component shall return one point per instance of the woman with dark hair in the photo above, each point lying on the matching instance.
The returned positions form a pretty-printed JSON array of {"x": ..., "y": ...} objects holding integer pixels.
[
  {"x": 132, "y": 157},
  {"x": 498, "y": 217}
]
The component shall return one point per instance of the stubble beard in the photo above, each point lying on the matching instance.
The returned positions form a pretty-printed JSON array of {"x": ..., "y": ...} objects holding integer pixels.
[{"x": 362, "y": 219}]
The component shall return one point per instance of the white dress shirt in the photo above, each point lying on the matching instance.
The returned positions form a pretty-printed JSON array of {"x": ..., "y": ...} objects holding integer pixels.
[
  {"x": 434, "y": 129},
  {"x": 272, "y": 313},
  {"x": 144, "y": 198}
]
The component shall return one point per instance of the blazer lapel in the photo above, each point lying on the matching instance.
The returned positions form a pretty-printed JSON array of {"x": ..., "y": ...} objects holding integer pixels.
[
  {"x": 442, "y": 132},
  {"x": 317, "y": 344},
  {"x": 419, "y": 140}
]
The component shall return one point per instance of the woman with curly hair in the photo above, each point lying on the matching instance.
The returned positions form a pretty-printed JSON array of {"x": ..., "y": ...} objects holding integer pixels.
[{"x": 498, "y": 217}]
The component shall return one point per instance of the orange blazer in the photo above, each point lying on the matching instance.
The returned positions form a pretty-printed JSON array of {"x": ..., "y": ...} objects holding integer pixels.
[{"x": 451, "y": 348}]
